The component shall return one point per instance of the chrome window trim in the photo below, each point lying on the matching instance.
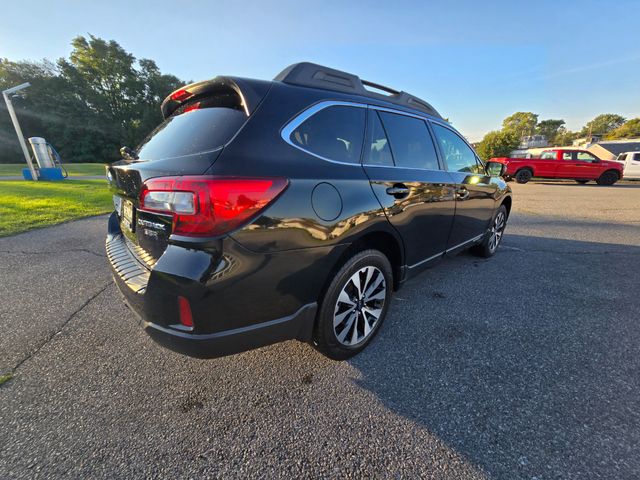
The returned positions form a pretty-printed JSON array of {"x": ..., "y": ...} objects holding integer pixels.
[{"x": 299, "y": 119}]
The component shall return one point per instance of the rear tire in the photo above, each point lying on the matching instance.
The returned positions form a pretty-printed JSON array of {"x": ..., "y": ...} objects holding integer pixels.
[
  {"x": 493, "y": 237},
  {"x": 354, "y": 305},
  {"x": 608, "y": 178},
  {"x": 524, "y": 175},
  {"x": 582, "y": 182}
]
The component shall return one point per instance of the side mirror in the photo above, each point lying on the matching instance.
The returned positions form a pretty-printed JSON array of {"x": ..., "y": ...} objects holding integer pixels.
[
  {"x": 128, "y": 153},
  {"x": 496, "y": 169}
]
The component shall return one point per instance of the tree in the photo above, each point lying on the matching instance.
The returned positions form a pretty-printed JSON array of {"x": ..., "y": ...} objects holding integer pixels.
[
  {"x": 564, "y": 137},
  {"x": 549, "y": 129},
  {"x": 630, "y": 129},
  {"x": 88, "y": 105},
  {"x": 602, "y": 124},
  {"x": 521, "y": 124},
  {"x": 497, "y": 144}
]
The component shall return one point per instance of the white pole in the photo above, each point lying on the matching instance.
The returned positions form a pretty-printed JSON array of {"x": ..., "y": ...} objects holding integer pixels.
[{"x": 16, "y": 125}]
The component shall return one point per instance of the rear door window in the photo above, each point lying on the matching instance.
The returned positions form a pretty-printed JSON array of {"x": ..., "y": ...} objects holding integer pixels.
[
  {"x": 548, "y": 156},
  {"x": 335, "y": 133},
  {"x": 410, "y": 141},
  {"x": 458, "y": 156},
  {"x": 378, "y": 151},
  {"x": 196, "y": 127}
]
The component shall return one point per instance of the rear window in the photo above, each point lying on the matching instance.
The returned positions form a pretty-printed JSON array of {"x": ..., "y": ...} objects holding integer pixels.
[
  {"x": 198, "y": 126},
  {"x": 335, "y": 133}
]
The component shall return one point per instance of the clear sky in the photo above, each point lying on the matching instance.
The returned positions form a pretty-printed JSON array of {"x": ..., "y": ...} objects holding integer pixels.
[{"x": 476, "y": 62}]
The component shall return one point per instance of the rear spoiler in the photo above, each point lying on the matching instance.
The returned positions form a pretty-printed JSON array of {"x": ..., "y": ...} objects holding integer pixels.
[{"x": 250, "y": 93}]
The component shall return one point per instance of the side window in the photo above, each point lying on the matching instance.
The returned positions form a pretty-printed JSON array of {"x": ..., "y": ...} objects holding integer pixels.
[
  {"x": 457, "y": 154},
  {"x": 410, "y": 141},
  {"x": 334, "y": 132},
  {"x": 623, "y": 157},
  {"x": 585, "y": 157},
  {"x": 636, "y": 157},
  {"x": 548, "y": 156},
  {"x": 377, "y": 151},
  {"x": 567, "y": 156}
]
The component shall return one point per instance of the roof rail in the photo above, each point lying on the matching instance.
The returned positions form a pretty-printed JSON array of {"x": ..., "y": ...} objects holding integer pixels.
[{"x": 309, "y": 74}]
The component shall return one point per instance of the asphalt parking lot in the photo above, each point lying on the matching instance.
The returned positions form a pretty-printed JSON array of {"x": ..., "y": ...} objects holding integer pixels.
[{"x": 526, "y": 365}]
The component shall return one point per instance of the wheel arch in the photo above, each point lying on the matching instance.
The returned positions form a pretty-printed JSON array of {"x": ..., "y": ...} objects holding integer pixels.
[
  {"x": 507, "y": 202},
  {"x": 385, "y": 241}
]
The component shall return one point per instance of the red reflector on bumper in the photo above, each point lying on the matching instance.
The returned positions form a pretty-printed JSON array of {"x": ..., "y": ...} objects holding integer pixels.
[{"x": 184, "y": 308}]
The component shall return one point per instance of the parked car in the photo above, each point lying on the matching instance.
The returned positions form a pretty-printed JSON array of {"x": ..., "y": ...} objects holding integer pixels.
[
  {"x": 630, "y": 162},
  {"x": 580, "y": 165},
  {"x": 262, "y": 211}
]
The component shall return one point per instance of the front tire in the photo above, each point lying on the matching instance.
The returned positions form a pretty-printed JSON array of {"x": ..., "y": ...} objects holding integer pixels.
[
  {"x": 354, "y": 305},
  {"x": 608, "y": 178},
  {"x": 492, "y": 239},
  {"x": 524, "y": 175}
]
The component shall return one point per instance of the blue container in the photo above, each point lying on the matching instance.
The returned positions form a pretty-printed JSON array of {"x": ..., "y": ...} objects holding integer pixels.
[{"x": 45, "y": 174}]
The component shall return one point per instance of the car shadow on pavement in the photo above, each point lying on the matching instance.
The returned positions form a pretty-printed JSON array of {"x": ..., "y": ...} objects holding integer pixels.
[{"x": 527, "y": 363}]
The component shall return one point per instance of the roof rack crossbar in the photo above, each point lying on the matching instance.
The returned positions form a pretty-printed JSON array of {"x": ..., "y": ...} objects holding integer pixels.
[
  {"x": 308, "y": 74},
  {"x": 377, "y": 86}
]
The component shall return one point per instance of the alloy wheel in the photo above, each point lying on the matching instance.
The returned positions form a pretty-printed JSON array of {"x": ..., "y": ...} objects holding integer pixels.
[
  {"x": 497, "y": 229},
  {"x": 359, "y": 306}
]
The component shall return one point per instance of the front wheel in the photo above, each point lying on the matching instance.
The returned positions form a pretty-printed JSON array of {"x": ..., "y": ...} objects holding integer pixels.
[
  {"x": 492, "y": 239},
  {"x": 354, "y": 305},
  {"x": 608, "y": 178}
]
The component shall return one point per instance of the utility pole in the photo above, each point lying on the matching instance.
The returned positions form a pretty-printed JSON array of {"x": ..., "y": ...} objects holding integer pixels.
[{"x": 12, "y": 113}]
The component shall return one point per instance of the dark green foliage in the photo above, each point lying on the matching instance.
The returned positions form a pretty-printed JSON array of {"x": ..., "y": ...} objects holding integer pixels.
[
  {"x": 88, "y": 105},
  {"x": 497, "y": 144}
]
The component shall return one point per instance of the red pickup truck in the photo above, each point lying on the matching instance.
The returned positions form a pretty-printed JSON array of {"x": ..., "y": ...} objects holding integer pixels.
[{"x": 579, "y": 165}]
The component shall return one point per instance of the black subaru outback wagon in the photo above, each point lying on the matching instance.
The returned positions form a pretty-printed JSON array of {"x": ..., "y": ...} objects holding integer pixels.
[{"x": 261, "y": 211}]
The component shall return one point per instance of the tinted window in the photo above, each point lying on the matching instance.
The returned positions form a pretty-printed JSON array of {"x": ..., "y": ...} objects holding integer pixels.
[
  {"x": 411, "y": 144},
  {"x": 622, "y": 157},
  {"x": 378, "y": 151},
  {"x": 457, "y": 154},
  {"x": 636, "y": 157},
  {"x": 334, "y": 132},
  {"x": 195, "y": 127},
  {"x": 566, "y": 155}
]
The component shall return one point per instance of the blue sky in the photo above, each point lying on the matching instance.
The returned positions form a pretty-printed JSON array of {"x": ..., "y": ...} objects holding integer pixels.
[{"x": 476, "y": 62}]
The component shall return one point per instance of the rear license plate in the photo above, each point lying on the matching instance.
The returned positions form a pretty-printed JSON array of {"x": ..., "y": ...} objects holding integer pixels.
[
  {"x": 128, "y": 215},
  {"x": 117, "y": 205}
]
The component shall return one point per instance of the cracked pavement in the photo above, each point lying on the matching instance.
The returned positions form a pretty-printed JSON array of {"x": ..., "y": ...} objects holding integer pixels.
[{"x": 526, "y": 365}]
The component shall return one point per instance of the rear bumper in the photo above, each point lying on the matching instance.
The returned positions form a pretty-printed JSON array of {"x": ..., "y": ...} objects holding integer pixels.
[{"x": 240, "y": 299}]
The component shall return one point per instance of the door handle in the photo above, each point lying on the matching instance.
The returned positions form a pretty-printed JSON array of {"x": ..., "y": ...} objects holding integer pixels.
[
  {"x": 398, "y": 190},
  {"x": 462, "y": 193}
]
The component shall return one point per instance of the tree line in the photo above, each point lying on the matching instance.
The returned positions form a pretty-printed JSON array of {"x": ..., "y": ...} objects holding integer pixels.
[
  {"x": 88, "y": 105},
  {"x": 516, "y": 127}
]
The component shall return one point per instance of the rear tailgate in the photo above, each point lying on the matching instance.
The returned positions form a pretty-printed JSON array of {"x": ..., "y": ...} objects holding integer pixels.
[{"x": 201, "y": 119}]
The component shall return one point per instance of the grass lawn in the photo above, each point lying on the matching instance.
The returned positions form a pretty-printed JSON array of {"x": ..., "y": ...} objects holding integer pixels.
[
  {"x": 27, "y": 205},
  {"x": 8, "y": 169}
]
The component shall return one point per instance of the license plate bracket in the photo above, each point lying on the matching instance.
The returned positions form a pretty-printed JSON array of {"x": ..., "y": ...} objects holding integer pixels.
[{"x": 128, "y": 215}]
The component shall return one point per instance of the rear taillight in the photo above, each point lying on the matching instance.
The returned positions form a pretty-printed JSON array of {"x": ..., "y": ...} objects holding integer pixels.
[{"x": 204, "y": 206}]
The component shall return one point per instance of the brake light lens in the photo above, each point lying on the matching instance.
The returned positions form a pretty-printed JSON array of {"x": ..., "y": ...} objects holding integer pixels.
[
  {"x": 180, "y": 95},
  {"x": 204, "y": 206},
  {"x": 184, "y": 310}
]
